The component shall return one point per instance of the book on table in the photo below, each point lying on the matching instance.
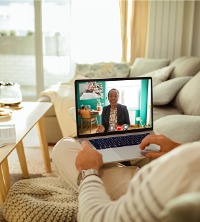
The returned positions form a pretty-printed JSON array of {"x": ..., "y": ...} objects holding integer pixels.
[{"x": 7, "y": 134}]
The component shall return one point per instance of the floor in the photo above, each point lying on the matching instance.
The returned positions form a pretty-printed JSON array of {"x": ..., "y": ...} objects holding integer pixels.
[
  {"x": 31, "y": 139},
  {"x": 34, "y": 159},
  {"x": 86, "y": 130}
]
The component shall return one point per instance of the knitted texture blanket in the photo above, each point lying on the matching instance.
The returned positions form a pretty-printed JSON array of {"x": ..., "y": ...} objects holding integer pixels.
[
  {"x": 47, "y": 199},
  {"x": 63, "y": 98}
]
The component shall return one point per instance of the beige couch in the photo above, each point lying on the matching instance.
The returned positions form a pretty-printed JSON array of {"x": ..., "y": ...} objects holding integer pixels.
[
  {"x": 176, "y": 90},
  {"x": 176, "y": 103}
]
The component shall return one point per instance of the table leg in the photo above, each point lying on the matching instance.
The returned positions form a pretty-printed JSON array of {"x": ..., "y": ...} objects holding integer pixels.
[
  {"x": 6, "y": 174},
  {"x": 2, "y": 186},
  {"x": 44, "y": 144},
  {"x": 22, "y": 159}
]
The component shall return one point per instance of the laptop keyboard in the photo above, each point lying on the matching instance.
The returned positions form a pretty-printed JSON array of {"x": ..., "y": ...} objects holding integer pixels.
[{"x": 118, "y": 141}]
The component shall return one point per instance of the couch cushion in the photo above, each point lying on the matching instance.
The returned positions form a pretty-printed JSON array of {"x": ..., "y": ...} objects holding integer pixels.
[
  {"x": 185, "y": 66},
  {"x": 184, "y": 208},
  {"x": 162, "y": 111},
  {"x": 103, "y": 69},
  {"x": 164, "y": 92},
  {"x": 145, "y": 65},
  {"x": 187, "y": 99},
  {"x": 181, "y": 128},
  {"x": 159, "y": 75}
]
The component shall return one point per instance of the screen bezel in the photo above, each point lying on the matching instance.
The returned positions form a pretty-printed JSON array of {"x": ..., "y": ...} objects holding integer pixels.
[{"x": 76, "y": 84}]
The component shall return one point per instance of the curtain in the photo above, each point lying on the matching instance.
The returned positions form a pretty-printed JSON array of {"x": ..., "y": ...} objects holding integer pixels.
[
  {"x": 124, "y": 22},
  {"x": 134, "y": 19}
]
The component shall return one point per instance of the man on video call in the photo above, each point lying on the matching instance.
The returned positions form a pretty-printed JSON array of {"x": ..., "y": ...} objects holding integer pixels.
[{"x": 108, "y": 193}]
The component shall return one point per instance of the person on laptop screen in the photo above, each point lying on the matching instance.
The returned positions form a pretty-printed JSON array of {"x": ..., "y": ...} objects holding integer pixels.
[
  {"x": 90, "y": 93},
  {"x": 114, "y": 116}
]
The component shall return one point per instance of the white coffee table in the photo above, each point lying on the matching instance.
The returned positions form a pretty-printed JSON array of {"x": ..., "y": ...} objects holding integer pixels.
[{"x": 24, "y": 119}]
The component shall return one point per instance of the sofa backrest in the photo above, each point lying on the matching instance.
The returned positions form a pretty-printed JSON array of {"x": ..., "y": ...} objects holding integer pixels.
[
  {"x": 103, "y": 70},
  {"x": 145, "y": 65}
]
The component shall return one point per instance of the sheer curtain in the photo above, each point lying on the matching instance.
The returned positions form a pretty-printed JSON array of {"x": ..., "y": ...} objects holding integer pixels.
[
  {"x": 134, "y": 18},
  {"x": 95, "y": 31}
]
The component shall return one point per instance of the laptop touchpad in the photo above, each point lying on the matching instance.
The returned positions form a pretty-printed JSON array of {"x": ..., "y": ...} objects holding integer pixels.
[
  {"x": 128, "y": 152},
  {"x": 109, "y": 155}
]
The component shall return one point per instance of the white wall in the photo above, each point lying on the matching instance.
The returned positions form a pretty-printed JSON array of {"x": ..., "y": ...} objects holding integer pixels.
[{"x": 174, "y": 29}]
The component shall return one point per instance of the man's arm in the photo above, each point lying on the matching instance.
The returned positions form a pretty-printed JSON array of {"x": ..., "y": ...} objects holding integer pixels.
[{"x": 148, "y": 192}]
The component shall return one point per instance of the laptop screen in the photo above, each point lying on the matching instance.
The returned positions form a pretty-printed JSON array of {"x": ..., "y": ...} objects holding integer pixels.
[{"x": 113, "y": 106}]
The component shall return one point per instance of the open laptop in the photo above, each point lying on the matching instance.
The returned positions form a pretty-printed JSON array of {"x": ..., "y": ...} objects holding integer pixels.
[{"x": 116, "y": 144}]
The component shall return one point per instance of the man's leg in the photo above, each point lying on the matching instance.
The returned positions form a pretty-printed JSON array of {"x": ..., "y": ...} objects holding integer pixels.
[
  {"x": 115, "y": 178},
  {"x": 63, "y": 156}
]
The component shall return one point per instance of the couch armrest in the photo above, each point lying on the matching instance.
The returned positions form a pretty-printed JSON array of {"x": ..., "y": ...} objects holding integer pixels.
[
  {"x": 53, "y": 131},
  {"x": 44, "y": 99},
  {"x": 51, "y": 111}
]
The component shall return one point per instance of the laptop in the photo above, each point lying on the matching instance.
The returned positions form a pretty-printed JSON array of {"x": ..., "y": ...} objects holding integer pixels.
[{"x": 117, "y": 143}]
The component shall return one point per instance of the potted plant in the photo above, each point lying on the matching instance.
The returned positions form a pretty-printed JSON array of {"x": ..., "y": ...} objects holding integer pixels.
[
  {"x": 138, "y": 119},
  {"x": 99, "y": 105}
]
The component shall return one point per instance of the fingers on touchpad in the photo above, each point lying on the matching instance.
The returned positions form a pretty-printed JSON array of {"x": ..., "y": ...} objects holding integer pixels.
[{"x": 151, "y": 148}]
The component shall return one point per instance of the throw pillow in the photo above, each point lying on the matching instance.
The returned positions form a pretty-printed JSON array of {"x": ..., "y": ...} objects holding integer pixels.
[
  {"x": 159, "y": 75},
  {"x": 185, "y": 66},
  {"x": 103, "y": 70},
  {"x": 164, "y": 92},
  {"x": 187, "y": 99},
  {"x": 145, "y": 65}
]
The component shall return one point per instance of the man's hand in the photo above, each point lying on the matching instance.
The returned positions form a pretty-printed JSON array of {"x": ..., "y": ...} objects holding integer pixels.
[
  {"x": 165, "y": 144},
  {"x": 88, "y": 158}
]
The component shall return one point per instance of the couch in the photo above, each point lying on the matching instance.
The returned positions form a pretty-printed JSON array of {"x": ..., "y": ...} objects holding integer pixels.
[{"x": 175, "y": 89}]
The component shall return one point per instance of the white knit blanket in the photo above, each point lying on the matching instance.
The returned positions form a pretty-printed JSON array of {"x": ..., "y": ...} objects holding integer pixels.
[
  {"x": 41, "y": 200},
  {"x": 63, "y": 98}
]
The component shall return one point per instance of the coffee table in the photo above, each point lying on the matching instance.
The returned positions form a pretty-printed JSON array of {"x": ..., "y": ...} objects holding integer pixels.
[{"x": 24, "y": 119}]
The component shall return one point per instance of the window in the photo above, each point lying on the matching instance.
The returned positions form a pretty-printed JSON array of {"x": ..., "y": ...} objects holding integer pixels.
[
  {"x": 95, "y": 32},
  {"x": 56, "y": 37},
  {"x": 17, "y": 44},
  {"x": 70, "y": 32}
]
